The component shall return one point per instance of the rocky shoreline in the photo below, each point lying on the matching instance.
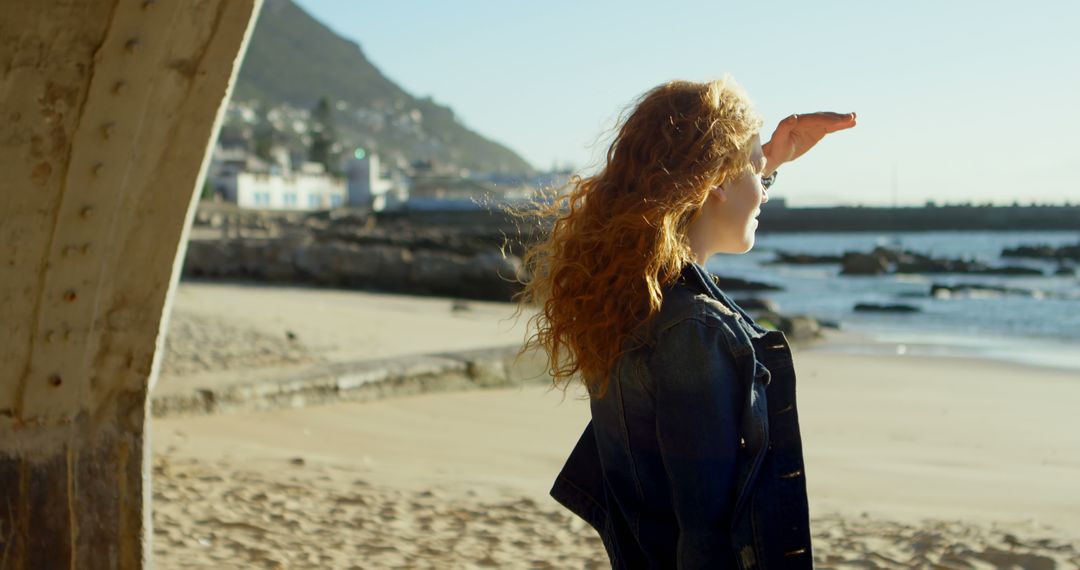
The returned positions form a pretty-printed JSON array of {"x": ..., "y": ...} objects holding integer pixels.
[
  {"x": 304, "y": 259},
  {"x": 358, "y": 250},
  {"x": 477, "y": 255},
  {"x": 897, "y": 261}
]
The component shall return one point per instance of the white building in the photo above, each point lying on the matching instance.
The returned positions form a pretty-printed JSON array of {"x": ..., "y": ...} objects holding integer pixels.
[
  {"x": 252, "y": 183},
  {"x": 311, "y": 188},
  {"x": 239, "y": 177},
  {"x": 368, "y": 187}
]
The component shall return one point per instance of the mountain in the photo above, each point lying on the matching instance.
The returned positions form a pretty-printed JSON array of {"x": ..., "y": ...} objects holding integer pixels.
[{"x": 295, "y": 60}]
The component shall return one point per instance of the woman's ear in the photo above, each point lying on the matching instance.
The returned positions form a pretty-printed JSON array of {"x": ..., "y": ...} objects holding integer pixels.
[{"x": 718, "y": 193}]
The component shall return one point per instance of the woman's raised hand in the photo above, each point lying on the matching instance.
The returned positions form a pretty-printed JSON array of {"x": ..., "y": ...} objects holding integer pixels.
[{"x": 799, "y": 133}]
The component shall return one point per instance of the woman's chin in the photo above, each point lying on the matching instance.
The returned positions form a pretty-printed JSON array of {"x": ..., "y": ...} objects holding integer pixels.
[
  {"x": 751, "y": 236},
  {"x": 738, "y": 246},
  {"x": 740, "y": 249}
]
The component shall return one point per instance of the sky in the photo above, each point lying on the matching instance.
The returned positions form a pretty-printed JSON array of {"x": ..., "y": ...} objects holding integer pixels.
[{"x": 958, "y": 100}]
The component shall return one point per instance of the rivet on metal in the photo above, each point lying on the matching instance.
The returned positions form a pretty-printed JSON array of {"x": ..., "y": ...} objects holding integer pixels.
[
  {"x": 119, "y": 87},
  {"x": 86, "y": 212},
  {"x": 55, "y": 380},
  {"x": 70, "y": 296},
  {"x": 132, "y": 45},
  {"x": 107, "y": 130}
]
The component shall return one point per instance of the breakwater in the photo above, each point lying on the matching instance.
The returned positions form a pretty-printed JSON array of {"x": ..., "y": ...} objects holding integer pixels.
[
  {"x": 928, "y": 218},
  {"x": 831, "y": 219}
]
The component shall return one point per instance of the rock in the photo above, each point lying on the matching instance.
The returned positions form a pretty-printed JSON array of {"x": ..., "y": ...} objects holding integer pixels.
[
  {"x": 940, "y": 291},
  {"x": 484, "y": 275},
  {"x": 880, "y": 259},
  {"x": 432, "y": 272},
  {"x": 1071, "y": 252},
  {"x": 757, "y": 304},
  {"x": 1008, "y": 270},
  {"x": 206, "y": 258},
  {"x": 273, "y": 262},
  {"x": 928, "y": 265},
  {"x": 1032, "y": 251},
  {"x": 804, "y": 258},
  {"x": 883, "y": 308},
  {"x": 910, "y": 262},
  {"x": 891, "y": 255},
  {"x": 1041, "y": 251},
  {"x": 922, "y": 264},
  {"x": 736, "y": 284},
  {"x": 855, "y": 263},
  {"x": 338, "y": 263},
  {"x": 800, "y": 328},
  {"x": 797, "y": 328},
  {"x": 495, "y": 276}
]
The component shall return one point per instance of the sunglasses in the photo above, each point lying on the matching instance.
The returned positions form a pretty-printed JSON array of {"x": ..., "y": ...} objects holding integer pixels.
[{"x": 767, "y": 181}]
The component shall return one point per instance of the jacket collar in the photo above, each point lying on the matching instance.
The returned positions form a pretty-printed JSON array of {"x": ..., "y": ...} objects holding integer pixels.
[{"x": 695, "y": 274}]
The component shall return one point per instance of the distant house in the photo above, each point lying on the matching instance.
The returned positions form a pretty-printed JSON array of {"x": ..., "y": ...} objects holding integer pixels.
[
  {"x": 311, "y": 188},
  {"x": 370, "y": 187},
  {"x": 250, "y": 182}
]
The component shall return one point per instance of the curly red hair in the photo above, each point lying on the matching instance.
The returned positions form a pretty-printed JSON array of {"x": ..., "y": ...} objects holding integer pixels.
[{"x": 618, "y": 237}]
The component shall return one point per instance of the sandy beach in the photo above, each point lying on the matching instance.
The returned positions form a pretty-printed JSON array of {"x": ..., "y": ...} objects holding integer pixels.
[{"x": 912, "y": 461}]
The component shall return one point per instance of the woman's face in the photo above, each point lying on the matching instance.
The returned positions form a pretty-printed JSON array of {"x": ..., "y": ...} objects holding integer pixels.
[{"x": 729, "y": 216}]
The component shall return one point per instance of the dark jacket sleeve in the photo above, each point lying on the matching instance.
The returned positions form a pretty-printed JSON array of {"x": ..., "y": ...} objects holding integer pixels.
[{"x": 697, "y": 410}]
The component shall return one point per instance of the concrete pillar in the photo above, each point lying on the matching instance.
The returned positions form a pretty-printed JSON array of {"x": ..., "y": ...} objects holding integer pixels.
[{"x": 106, "y": 111}]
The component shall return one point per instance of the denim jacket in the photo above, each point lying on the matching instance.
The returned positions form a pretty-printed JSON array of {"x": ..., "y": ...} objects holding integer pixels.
[{"x": 693, "y": 458}]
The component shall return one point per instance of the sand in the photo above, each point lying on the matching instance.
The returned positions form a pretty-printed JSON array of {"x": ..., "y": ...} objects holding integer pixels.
[
  {"x": 235, "y": 327},
  {"x": 912, "y": 462}
]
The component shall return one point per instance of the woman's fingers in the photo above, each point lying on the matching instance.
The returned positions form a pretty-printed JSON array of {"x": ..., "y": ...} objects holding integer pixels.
[
  {"x": 797, "y": 134},
  {"x": 832, "y": 122}
]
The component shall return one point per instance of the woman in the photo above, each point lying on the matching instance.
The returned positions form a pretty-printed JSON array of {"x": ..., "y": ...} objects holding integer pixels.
[{"x": 693, "y": 456}]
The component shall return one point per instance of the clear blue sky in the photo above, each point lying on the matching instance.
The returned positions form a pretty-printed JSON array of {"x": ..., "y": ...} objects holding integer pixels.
[{"x": 967, "y": 100}]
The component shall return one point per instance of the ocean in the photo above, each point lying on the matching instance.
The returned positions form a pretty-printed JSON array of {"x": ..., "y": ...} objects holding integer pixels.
[{"x": 1041, "y": 327}]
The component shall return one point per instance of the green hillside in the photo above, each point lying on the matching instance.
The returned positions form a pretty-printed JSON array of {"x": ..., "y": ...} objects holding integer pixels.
[{"x": 294, "y": 59}]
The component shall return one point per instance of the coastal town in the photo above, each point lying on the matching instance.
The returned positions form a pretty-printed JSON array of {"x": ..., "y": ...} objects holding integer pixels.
[{"x": 290, "y": 159}]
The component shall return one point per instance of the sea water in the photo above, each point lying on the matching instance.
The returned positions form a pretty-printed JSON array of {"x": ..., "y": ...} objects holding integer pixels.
[{"x": 1042, "y": 327}]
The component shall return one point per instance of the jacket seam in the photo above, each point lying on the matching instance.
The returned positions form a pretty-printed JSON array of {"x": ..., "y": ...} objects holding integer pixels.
[
  {"x": 629, "y": 450},
  {"x": 713, "y": 322}
]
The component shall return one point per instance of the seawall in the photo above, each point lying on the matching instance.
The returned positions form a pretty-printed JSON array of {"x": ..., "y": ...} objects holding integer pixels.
[{"x": 358, "y": 381}]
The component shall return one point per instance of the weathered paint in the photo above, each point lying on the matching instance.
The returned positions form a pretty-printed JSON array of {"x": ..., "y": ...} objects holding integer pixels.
[{"x": 106, "y": 111}]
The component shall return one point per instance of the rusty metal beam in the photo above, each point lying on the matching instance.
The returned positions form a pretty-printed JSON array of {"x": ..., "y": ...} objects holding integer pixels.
[{"x": 106, "y": 111}]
